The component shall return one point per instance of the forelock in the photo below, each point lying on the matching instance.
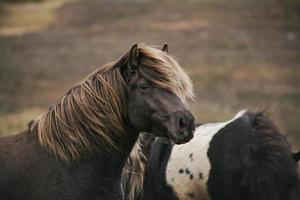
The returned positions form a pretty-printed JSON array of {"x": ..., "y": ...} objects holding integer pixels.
[{"x": 163, "y": 70}]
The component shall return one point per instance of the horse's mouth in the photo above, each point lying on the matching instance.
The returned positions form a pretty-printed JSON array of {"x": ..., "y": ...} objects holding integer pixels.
[
  {"x": 181, "y": 138},
  {"x": 175, "y": 135}
]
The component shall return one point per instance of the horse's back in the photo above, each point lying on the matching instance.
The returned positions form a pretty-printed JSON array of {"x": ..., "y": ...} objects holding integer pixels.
[
  {"x": 16, "y": 163},
  {"x": 24, "y": 168},
  {"x": 251, "y": 159},
  {"x": 10, "y": 149}
]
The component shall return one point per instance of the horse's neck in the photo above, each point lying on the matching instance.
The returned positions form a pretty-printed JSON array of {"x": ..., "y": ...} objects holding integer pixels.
[{"x": 119, "y": 156}]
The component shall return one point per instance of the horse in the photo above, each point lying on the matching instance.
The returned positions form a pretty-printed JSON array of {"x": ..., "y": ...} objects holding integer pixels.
[
  {"x": 77, "y": 149},
  {"x": 245, "y": 158}
]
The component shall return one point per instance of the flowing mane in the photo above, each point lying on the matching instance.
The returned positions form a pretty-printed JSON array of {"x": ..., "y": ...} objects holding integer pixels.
[
  {"x": 93, "y": 112},
  {"x": 133, "y": 172}
]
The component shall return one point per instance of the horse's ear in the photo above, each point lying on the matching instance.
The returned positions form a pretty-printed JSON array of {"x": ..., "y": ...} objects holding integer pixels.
[
  {"x": 133, "y": 59},
  {"x": 165, "y": 48},
  {"x": 129, "y": 69},
  {"x": 296, "y": 156}
]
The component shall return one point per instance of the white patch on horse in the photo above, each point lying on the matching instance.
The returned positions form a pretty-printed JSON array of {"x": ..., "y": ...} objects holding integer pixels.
[{"x": 188, "y": 167}]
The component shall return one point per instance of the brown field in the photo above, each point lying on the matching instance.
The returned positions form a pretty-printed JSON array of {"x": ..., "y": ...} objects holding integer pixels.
[{"x": 239, "y": 53}]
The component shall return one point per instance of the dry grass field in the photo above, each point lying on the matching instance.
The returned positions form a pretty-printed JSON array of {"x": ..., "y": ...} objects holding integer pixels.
[{"x": 239, "y": 53}]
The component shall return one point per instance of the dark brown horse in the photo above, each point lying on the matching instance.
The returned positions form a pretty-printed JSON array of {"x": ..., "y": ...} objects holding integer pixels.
[{"x": 76, "y": 150}]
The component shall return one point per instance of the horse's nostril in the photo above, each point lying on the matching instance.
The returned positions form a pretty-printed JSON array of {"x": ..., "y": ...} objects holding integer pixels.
[{"x": 182, "y": 123}]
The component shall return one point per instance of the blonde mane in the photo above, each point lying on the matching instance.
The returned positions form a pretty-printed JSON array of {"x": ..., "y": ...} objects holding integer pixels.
[
  {"x": 93, "y": 112},
  {"x": 133, "y": 173}
]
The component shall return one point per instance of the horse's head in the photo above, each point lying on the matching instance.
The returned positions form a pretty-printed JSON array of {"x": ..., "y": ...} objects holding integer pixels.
[{"x": 158, "y": 88}]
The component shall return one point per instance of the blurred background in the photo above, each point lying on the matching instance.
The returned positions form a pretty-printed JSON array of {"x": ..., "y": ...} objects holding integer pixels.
[{"x": 239, "y": 53}]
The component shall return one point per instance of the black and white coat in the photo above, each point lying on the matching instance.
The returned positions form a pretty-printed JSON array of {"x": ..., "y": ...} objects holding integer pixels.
[{"x": 245, "y": 158}]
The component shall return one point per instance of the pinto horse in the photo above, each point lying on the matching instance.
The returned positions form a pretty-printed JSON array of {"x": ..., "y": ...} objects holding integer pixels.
[
  {"x": 245, "y": 158},
  {"x": 77, "y": 149}
]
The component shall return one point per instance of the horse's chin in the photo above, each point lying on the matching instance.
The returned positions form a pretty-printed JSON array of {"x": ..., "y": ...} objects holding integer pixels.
[
  {"x": 180, "y": 139},
  {"x": 173, "y": 135}
]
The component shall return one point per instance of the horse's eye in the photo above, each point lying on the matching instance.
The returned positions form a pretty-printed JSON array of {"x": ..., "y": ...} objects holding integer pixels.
[{"x": 144, "y": 86}]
